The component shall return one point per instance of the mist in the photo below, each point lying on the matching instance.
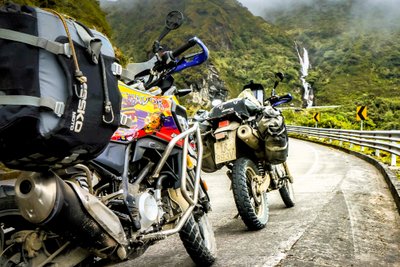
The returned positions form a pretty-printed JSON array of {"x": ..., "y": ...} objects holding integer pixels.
[
  {"x": 371, "y": 14},
  {"x": 119, "y": 3},
  {"x": 260, "y": 7},
  {"x": 378, "y": 14}
]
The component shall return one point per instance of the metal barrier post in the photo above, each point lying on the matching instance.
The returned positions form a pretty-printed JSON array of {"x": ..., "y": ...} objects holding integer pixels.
[
  {"x": 394, "y": 158},
  {"x": 362, "y": 128}
]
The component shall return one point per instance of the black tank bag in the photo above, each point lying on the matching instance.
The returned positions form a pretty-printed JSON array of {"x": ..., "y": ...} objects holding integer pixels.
[{"x": 59, "y": 97}]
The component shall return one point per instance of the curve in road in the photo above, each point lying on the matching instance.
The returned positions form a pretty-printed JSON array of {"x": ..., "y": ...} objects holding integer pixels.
[{"x": 344, "y": 216}]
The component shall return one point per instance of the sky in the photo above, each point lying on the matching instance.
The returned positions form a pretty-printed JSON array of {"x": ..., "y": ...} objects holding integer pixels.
[{"x": 257, "y": 6}]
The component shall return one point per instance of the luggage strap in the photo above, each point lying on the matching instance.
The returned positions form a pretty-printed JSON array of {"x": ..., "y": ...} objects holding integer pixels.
[
  {"x": 93, "y": 48},
  {"x": 51, "y": 46},
  {"x": 78, "y": 73},
  {"x": 92, "y": 44},
  {"x": 108, "y": 109},
  {"x": 56, "y": 106}
]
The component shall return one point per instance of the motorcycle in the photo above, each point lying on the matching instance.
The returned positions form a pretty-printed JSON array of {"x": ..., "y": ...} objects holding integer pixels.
[
  {"x": 144, "y": 187},
  {"x": 248, "y": 136}
]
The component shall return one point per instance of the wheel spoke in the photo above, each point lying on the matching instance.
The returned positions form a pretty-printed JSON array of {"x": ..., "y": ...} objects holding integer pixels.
[
  {"x": 252, "y": 186},
  {"x": 251, "y": 204}
]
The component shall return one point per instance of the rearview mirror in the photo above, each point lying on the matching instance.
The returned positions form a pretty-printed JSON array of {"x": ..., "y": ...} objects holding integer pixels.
[{"x": 173, "y": 21}]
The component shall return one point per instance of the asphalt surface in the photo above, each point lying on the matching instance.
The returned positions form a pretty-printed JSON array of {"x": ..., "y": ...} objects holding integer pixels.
[{"x": 344, "y": 216}]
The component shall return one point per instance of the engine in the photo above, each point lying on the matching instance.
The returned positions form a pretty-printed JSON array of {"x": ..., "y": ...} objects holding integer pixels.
[
  {"x": 158, "y": 207},
  {"x": 148, "y": 210}
]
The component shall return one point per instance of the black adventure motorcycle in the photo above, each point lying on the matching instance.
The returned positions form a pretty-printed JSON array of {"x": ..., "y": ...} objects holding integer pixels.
[
  {"x": 248, "y": 136},
  {"x": 144, "y": 187}
]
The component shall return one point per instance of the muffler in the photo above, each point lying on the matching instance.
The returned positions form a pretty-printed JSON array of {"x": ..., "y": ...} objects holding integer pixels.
[
  {"x": 70, "y": 211},
  {"x": 249, "y": 136}
]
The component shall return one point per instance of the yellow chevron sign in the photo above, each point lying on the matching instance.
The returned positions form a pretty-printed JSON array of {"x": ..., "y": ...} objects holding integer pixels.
[
  {"x": 361, "y": 113},
  {"x": 317, "y": 116}
]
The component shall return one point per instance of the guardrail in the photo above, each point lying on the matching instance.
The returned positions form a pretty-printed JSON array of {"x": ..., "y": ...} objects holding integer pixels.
[{"x": 380, "y": 140}]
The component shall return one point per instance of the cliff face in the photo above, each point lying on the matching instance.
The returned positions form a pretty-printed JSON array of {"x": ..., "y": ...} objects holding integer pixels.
[{"x": 209, "y": 88}]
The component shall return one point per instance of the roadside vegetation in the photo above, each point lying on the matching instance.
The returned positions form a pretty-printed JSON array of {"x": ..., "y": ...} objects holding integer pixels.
[{"x": 382, "y": 113}]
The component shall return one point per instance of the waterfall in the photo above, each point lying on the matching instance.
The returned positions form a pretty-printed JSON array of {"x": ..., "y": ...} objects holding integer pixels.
[{"x": 308, "y": 95}]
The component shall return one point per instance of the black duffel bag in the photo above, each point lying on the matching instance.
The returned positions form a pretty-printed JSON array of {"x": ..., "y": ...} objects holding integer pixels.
[{"x": 59, "y": 97}]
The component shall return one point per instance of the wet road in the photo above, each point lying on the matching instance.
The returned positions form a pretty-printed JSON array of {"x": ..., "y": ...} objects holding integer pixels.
[{"x": 344, "y": 216}]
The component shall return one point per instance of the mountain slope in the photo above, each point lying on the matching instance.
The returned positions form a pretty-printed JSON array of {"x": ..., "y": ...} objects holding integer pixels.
[
  {"x": 242, "y": 46},
  {"x": 87, "y": 11},
  {"x": 353, "y": 46}
]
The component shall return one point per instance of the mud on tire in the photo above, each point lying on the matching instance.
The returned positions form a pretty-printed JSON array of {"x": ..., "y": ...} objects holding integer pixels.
[
  {"x": 286, "y": 192},
  {"x": 253, "y": 209},
  {"x": 199, "y": 241}
]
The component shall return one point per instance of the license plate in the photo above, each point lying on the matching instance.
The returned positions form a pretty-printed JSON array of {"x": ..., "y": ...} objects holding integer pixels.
[{"x": 226, "y": 150}]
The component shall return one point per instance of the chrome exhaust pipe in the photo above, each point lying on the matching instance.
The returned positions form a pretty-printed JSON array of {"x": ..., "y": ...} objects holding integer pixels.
[{"x": 70, "y": 211}]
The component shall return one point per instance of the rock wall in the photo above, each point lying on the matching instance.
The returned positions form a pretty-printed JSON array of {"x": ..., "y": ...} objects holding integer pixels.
[{"x": 209, "y": 88}]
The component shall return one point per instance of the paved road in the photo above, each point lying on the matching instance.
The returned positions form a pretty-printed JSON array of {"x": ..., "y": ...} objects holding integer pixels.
[{"x": 344, "y": 216}]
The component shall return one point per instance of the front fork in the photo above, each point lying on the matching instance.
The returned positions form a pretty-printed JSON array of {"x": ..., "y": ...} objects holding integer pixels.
[
  {"x": 203, "y": 204},
  {"x": 289, "y": 175},
  {"x": 278, "y": 175},
  {"x": 263, "y": 180},
  {"x": 191, "y": 199}
]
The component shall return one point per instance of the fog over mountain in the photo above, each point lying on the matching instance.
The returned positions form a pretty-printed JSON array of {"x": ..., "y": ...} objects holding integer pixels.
[{"x": 371, "y": 14}]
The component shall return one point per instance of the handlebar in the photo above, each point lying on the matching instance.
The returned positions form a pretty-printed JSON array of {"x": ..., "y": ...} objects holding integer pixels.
[
  {"x": 165, "y": 63},
  {"x": 177, "y": 52},
  {"x": 278, "y": 100},
  {"x": 195, "y": 59}
]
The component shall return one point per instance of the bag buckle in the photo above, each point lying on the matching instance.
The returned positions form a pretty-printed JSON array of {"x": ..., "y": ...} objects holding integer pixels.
[
  {"x": 116, "y": 68},
  {"x": 59, "y": 108},
  {"x": 126, "y": 121}
]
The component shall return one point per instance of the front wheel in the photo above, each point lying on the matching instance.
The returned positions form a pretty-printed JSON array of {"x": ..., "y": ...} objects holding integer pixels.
[
  {"x": 199, "y": 241},
  {"x": 286, "y": 191},
  {"x": 250, "y": 202}
]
